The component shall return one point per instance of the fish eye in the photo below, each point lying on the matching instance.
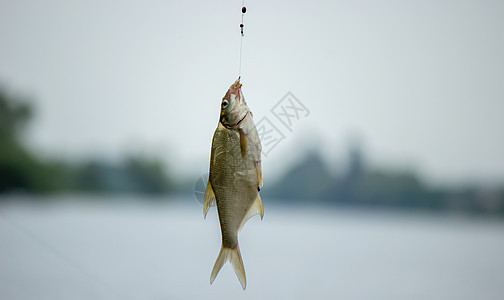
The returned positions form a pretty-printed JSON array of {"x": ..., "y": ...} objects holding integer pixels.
[{"x": 224, "y": 103}]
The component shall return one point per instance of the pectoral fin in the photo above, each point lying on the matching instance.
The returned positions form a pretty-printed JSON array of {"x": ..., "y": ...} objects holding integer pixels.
[
  {"x": 243, "y": 142},
  {"x": 259, "y": 174},
  {"x": 209, "y": 198},
  {"x": 255, "y": 208}
]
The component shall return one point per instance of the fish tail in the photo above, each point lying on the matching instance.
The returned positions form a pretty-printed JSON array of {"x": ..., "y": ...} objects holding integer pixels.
[{"x": 234, "y": 256}]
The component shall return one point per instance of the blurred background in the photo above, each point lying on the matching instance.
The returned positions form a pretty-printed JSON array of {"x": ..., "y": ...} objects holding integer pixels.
[{"x": 381, "y": 124}]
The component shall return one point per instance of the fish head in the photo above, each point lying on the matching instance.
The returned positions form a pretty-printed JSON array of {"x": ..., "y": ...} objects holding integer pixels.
[{"x": 233, "y": 106}]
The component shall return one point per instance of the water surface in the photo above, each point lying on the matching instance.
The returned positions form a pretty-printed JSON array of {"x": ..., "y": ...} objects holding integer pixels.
[{"x": 98, "y": 249}]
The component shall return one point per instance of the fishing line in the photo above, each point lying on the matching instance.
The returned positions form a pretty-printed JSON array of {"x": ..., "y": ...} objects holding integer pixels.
[{"x": 243, "y": 11}]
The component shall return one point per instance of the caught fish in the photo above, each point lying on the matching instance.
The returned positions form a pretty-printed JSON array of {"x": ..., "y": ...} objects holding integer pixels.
[{"x": 235, "y": 177}]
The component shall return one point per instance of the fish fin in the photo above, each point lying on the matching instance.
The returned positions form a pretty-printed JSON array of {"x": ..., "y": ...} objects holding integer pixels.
[
  {"x": 259, "y": 173},
  {"x": 255, "y": 208},
  {"x": 234, "y": 256},
  {"x": 243, "y": 142},
  {"x": 209, "y": 199}
]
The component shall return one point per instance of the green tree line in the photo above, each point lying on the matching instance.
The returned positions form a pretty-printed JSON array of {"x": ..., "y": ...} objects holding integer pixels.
[{"x": 23, "y": 171}]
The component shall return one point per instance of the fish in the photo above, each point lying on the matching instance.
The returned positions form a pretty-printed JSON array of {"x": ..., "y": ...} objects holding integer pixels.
[{"x": 235, "y": 177}]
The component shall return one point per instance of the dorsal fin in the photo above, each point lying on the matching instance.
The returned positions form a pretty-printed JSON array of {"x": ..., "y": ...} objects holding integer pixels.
[{"x": 209, "y": 198}]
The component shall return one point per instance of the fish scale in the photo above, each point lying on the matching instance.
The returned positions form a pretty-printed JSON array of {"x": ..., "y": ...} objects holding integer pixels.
[{"x": 235, "y": 177}]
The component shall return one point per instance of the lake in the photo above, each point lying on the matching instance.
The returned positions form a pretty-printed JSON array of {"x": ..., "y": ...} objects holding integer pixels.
[{"x": 79, "y": 248}]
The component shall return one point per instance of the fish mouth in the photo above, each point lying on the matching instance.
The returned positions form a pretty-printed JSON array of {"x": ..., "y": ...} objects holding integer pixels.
[{"x": 234, "y": 89}]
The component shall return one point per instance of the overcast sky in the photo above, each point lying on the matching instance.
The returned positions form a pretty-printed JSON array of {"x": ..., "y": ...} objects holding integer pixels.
[{"x": 421, "y": 82}]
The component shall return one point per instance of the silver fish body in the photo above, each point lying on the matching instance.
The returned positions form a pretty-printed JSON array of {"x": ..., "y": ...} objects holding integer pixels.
[{"x": 235, "y": 177}]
